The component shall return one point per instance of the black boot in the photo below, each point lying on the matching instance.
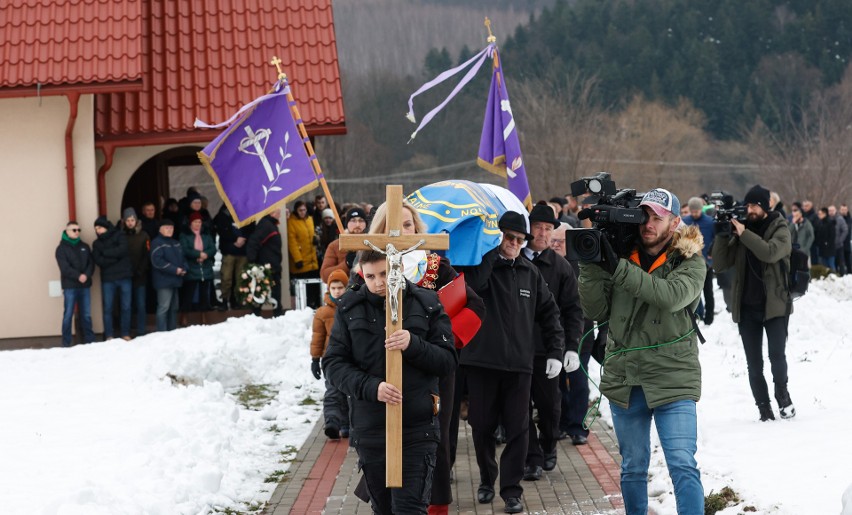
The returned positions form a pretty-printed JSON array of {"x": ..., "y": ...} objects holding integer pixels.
[
  {"x": 785, "y": 404},
  {"x": 765, "y": 412}
]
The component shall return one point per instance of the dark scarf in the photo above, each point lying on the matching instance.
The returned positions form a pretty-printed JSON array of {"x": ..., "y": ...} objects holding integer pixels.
[{"x": 754, "y": 291}]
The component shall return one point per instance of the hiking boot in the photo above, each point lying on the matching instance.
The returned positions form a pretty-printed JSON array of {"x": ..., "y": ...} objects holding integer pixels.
[
  {"x": 708, "y": 318},
  {"x": 332, "y": 431},
  {"x": 765, "y": 412}
]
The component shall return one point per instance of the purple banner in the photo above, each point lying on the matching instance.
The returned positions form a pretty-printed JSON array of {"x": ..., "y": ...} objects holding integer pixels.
[
  {"x": 499, "y": 148},
  {"x": 260, "y": 161}
]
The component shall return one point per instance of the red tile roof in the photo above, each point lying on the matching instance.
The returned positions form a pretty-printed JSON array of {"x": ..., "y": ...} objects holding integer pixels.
[
  {"x": 207, "y": 58},
  {"x": 88, "y": 45}
]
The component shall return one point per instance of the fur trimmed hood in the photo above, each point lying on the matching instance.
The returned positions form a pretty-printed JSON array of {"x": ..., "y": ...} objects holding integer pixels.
[{"x": 688, "y": 240}]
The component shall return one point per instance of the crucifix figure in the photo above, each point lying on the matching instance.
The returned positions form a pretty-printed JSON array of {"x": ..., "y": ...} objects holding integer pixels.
[
  {"x": 253, "y": 141},
  {"x": 390, "y": 245}
]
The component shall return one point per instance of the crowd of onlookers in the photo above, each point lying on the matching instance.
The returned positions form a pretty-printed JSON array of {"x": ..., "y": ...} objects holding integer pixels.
[{"x": 162, "y": 261}]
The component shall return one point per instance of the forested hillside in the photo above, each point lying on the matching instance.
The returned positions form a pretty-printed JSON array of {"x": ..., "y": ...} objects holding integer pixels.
[{"x": 710, "y": 94}]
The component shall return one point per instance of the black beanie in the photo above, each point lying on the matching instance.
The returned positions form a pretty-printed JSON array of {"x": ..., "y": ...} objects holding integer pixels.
[
  {"x": 102, "y": 221},
  {"x": 758, "y": 195}
]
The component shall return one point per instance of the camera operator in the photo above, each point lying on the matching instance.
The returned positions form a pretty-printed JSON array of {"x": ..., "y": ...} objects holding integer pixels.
[
  {"x": 652, "y": 370},
  {"x": 759, "y": 251}
]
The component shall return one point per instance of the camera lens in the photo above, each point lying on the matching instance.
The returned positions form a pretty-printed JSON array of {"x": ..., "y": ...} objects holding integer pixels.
[{"x": 587, "y": 245}]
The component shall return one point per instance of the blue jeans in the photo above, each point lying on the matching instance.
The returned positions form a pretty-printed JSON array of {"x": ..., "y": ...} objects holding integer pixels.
[
  {"x": 139, "y": 294},
  {"x": 167, "y": 308},
  {"x": 124, "y": 288},
  {"x": 677, "y": 426},
  {"x": 828, "y": 261},
  {"x": 83, "y": 299}
]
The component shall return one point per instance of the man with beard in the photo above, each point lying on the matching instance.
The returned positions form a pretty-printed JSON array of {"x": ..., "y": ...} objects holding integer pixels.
[
  {"x": 652, "y": 369},
  {"x": 759, "y": 251}
]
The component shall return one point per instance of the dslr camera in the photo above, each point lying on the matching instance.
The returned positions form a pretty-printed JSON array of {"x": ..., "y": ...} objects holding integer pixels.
[
  {"x": 615, "y": 215},
  {"x": 727, "y": 209}
]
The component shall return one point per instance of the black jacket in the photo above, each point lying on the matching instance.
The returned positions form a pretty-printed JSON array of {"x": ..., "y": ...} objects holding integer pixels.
[
  {"x": 825, "y": 233},
  {"x": 74, "y": 260},
  {"x": 112, "y": 255},
  {"x": 562, "y": 282},
  {"x": 354, "y": 362},
  {"x": 166, "y": 257},
  {"x": 228, "y": 233},
  {"x": 264, "y": 244},
  {"x": 138, "y": 243},
  {"x": 516, "y": 300}
]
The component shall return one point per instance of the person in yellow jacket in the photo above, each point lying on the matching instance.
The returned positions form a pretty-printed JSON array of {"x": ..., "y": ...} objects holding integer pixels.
[{"x": 300, "y": 243}]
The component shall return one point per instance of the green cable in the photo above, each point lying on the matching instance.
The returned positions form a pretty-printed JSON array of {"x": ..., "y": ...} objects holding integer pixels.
[{"x": 594, "y": 409}]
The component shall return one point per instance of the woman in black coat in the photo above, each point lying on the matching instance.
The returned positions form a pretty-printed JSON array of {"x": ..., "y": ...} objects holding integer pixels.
[{"x": 824, "y": 234}]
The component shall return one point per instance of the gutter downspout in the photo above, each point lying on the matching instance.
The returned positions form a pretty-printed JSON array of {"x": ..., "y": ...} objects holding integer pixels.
[
  {"x": 73, "y": 101},
  {"x": 109, "y": 152}
]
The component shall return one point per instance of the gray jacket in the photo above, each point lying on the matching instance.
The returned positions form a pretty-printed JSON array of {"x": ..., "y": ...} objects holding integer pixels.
[
  {"x": 842, "y": 232},
  {"x": 802, "y": 235}
]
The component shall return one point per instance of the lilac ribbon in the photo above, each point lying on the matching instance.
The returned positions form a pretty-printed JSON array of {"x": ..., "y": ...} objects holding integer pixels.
[
  {"x": 276, "y": 90},
  {"x": 478, "y": 58}
]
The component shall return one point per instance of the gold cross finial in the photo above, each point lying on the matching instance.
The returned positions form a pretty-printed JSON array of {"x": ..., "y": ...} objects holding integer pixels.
[
  {"x": 277, "y": 64},
  {"x": 491, "y": 38}
]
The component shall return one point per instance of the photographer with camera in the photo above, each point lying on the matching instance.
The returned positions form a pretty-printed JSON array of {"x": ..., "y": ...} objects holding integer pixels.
[
  {"x": 648, "y": 296},
  {"x": 759, "y": 250}
]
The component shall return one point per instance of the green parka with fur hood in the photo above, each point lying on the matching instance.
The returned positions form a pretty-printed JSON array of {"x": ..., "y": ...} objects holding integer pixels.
[{"x": 646, "y": 309}]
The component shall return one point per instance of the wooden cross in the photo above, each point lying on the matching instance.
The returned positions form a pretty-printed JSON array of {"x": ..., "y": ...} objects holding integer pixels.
[{"x": 391, "y": 243}]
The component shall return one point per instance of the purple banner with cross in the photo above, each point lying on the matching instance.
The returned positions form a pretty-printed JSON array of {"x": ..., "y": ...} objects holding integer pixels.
[
  {"x": 259, "y": 161},
  {"x": 499, "y": 147}
]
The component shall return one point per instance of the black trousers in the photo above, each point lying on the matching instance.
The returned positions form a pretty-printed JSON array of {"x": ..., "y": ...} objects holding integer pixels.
[
  {"x": 442, "y": 491},
  {"x": 497, "y": 395},
  {"x": 458, "y": 394},
  {"x": 546, "y": 397},
  {"x": 709, "y": 301},
  {"x": 418, "y": 464},
  {"x": 751, "y": 328}
]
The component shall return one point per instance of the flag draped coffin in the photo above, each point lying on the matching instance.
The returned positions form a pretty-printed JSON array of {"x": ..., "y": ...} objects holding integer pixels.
[
  {"x": 259, "y": 161},
  {"x": 469, "y": 212}
]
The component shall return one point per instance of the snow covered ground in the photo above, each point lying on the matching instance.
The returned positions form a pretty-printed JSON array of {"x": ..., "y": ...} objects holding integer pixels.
[
  {"x": 104, "y": 429},
  {"x": 790, "y": 467}
]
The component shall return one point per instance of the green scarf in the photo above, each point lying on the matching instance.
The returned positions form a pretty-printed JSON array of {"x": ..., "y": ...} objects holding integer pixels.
[{"x": 72, "y": 241}]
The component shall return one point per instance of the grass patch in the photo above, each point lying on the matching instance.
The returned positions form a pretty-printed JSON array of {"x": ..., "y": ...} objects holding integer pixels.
[
  {"x": 249, "y": 507},
  {"x": 275, "y": 429},
  {"x": 275, "y": 477},
  {"x": 288, "y": 454},
  {"x": 308, "y": 401},
  {"x": 255, "y": 396},
  {"x": 719, "y": 501}
]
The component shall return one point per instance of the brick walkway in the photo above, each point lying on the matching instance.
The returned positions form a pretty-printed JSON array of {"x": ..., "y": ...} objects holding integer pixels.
[{"x": 585, "y": 481}]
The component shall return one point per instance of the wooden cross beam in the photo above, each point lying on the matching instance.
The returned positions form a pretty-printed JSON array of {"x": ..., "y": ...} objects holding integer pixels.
[{"x": 393, "y": 358}]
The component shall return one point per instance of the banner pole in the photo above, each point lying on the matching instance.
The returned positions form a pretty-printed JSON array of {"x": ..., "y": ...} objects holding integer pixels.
[{"x": 307, "y": 142}]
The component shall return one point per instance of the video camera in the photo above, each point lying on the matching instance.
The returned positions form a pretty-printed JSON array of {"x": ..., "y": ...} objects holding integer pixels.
[
  {"x": 614, "y": 213},
  {"x": 727, "y": 209}
]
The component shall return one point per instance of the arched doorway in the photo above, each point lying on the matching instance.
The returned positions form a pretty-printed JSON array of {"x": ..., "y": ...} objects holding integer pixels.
[{"x": 170, "y": 174}]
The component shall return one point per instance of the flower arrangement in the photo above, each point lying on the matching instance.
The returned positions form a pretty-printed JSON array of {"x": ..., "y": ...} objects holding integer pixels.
[{"x": 254, "y": 286}]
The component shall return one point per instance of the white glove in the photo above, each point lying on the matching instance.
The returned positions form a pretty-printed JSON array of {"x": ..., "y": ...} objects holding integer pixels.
[
  {"x": 572, "y": 361},
  {"x": 553, "y": 366}
]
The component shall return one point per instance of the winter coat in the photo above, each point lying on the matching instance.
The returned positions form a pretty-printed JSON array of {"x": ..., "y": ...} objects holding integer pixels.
[
  {"x": 562, "y": 283},
  {"x": 649, "y": 308},
  {"x": 517, "y": 299},
  {"x": 802, "y": 234},
  {"x": 300, "y": 244},
  {"x": 264, "y": 244},
  {"x": 166, "y": 258},
  {"x": 112, "y": 255},
  {"x": 139, "y": 245},
  {"x": 228, "y": 233},
  {"x": 323, "y": 322},
  {"x": 73, "y": 260},
  {"x": 772, "y": 251},
  {"x": 841, "y": 232},
  {"x": 325, "y": 234},
  {"x": 706, "y": 226},
  {"x": 354, "y": 362},
  {"x": 151, "y": 227},
  {"x": 824, "y": 234},
  {"x": 198, "y": 271},
  {"x": 333, "y": 259}
]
